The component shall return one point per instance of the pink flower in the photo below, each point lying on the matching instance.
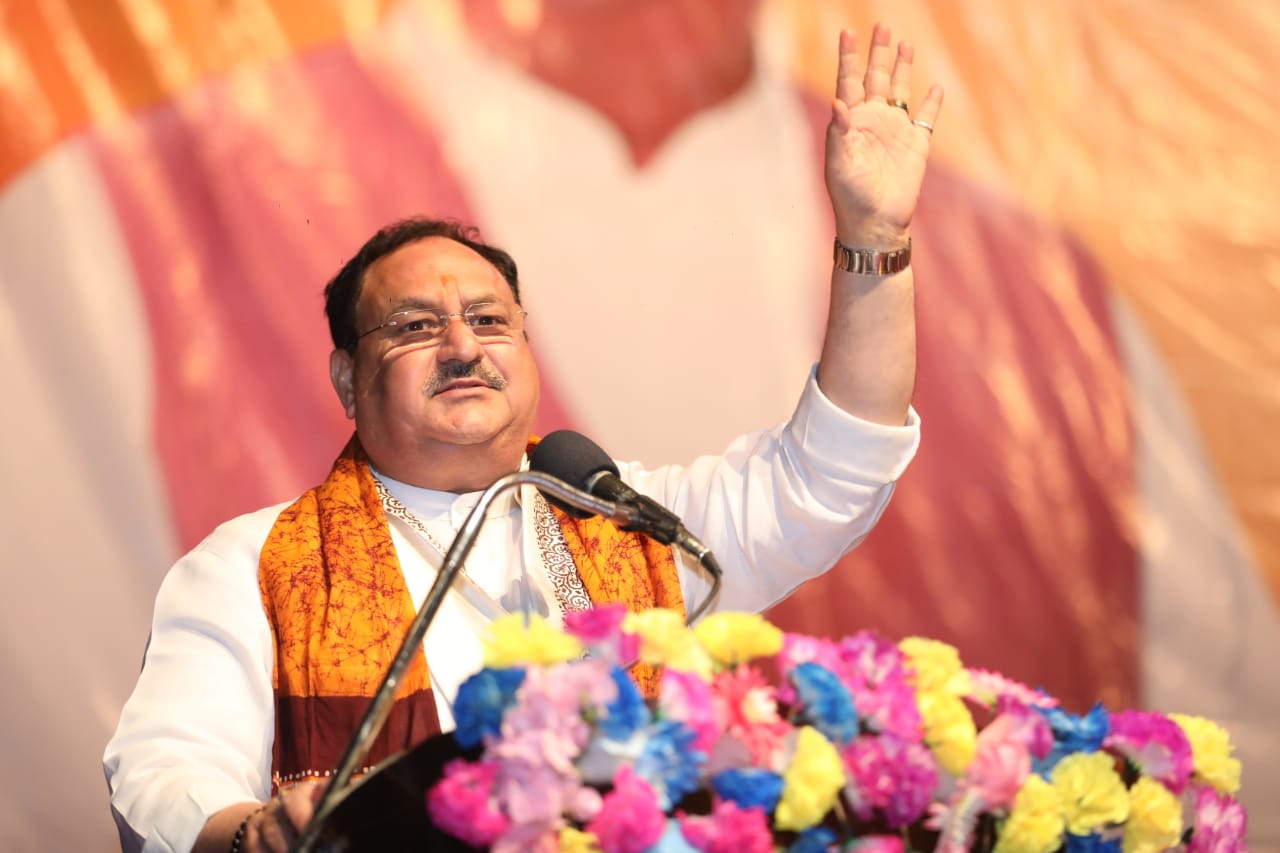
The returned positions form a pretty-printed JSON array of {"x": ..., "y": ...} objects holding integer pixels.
[
  {"x": 999, "y": 767},
  {"x": 600, "y": 630},
  {"x": 629, "y": 820},
  {"x": 890, "y": 707},
  {"x": 687, "y": 697},
  {"x": 462, "y": 803},
  {"x": 530, "y": 790},
  {"x": 1220, "y": 823},
  {"x": 728, "y": 829},
  {"x": 547, "y": 718},
  {"x": 987, "y": 688},
  {"x": 1027, "y": 727},
  {"x": 745, "y": 709},
  {"x": 874, "y": 671},
  {"x": 1003, "y": 751},
  {"x": 542, "y": 736},
  {"x": 891, "y": 775},
  {"x": 596, "y": 625},
  {"x": 872, "y": 658},
  {"x": 1155, "y": 744}
]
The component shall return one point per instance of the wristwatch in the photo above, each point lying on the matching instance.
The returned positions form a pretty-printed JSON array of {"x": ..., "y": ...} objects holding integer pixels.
[{"x": 871, "y": 262}]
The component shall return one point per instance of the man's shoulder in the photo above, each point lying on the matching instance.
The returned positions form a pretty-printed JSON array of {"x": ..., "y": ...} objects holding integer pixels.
[
  {"x": 225, "y": 561},
  {"x": 242, "y": 537}
]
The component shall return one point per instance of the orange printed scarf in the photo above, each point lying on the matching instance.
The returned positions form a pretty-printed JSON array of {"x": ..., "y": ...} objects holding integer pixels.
[{"x": 338, "y": 607}]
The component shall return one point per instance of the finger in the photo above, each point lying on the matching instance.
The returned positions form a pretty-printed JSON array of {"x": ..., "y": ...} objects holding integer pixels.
[
  {"x": 848, "y": 81},
  {"x": 317, "y": 792},
  {"x": 275, "y": 829},
  {"x": 875, "y": 83},
  {"x": 840, "y": 120},
  {"x": 927, "y": 110},
  {"x": 299, "y": 803},
  {"x": 900, "y": 80}
]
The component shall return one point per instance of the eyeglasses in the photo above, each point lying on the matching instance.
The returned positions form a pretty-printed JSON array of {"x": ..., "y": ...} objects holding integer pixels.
[{"x": 425, "y": 325}]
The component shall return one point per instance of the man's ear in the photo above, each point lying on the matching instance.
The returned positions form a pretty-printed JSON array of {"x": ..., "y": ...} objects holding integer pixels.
[{"x": 342, "y": 372}]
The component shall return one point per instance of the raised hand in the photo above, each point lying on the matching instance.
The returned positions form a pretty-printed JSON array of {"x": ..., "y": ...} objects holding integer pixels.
[{"x": 877, "y": 145}]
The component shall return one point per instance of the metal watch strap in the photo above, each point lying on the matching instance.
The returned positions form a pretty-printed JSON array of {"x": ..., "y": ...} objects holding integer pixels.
[{"x": 871, "y": 262}]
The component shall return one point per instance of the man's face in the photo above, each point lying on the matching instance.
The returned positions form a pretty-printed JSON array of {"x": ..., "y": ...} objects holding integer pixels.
[{"x": 412, "y": 400}]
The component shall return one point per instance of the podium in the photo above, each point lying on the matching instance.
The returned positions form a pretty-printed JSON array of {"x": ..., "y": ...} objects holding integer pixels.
[{"x": 385, "y": 810}]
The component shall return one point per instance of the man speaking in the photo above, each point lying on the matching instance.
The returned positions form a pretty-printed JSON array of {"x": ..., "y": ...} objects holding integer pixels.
[{"x": 271, "y": 635}]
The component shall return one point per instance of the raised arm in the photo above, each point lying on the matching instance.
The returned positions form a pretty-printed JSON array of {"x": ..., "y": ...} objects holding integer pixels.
[{"x": 876, "y": 151}]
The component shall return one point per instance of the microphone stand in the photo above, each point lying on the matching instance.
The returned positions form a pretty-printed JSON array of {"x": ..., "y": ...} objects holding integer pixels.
[
  {"x": 380, "y": 706},
  {"x": 708, "y": 561}
]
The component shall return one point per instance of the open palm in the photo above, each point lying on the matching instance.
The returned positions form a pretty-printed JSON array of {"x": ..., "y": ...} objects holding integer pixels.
[{"x": 876, "y": 149}]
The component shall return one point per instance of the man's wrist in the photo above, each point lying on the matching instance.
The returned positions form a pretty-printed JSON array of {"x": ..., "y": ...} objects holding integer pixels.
[
  {"x": 237, "y": 840},
  {"x": 871, "y": 233}
]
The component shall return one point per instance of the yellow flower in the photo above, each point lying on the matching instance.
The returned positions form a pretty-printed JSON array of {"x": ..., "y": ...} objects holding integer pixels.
[
  {"x": 1035, "y": 825},
  {"x": 949, "y": 730},
  {"x": 734, "y": 638},
  {"x": 511, "y": 643},
  {"x": 1092, "y": 792},
  {"x": 666, "y": 641},
  {"x": 940, "y": 680},
  {"x": 811, "y": 783},
  {"x": 1155, "y": 818},
  {"x": 935, "y": 666},
  {"x": 1210, "y": 753},
  {"x": 576, "y": 841}
]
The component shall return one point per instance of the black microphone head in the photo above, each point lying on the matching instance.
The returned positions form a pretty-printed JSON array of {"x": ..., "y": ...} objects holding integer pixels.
[{"x": 572, "y": 457}]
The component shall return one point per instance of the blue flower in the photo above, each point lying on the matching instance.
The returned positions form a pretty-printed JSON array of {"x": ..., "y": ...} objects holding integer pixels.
[
  {"x": 482, "y": 700},
  {"x": 750, "y": 787},
  {"x": 825, "y": 702},
  {"x": 1072, "y": 733},
  {"x": 815, "y": 839},
  {"x": 628, "y": 712},
  {"x": 669, "y": 763},
  {"x": 1092, "y": 843}
]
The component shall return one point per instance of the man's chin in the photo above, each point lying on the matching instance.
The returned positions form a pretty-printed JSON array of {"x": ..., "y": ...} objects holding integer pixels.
[
  {"x": 472, "y": 437},
  {"x": 470, "y": 433}
]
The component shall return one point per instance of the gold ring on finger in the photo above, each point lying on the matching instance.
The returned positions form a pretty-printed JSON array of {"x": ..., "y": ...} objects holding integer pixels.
[
  {"x": 919, "y": 122},
  {"x": 902, "y": 105}
]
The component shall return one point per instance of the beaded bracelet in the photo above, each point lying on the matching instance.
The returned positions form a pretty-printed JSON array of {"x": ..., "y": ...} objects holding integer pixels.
[{"x": 243, "y": 829}]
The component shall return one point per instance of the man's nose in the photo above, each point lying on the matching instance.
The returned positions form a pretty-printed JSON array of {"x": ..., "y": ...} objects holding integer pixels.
[{"x": 458, "y": 342}]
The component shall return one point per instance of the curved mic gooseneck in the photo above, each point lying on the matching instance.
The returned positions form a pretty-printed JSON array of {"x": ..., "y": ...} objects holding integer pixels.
[
  {"x": 380, "y": 706},
  {"x": 579, "y": 461}
]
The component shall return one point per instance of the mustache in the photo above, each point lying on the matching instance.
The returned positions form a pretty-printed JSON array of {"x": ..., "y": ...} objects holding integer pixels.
[{"x": 452, "y": 371}]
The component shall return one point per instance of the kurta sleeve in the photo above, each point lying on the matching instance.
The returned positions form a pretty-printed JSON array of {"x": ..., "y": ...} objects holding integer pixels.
[
  {"x": 195, "y": 736},
  {"x": 781, "y": 506}
]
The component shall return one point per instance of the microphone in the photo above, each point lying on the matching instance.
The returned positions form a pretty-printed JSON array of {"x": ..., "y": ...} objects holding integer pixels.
[{"x": 577, "y": 460}]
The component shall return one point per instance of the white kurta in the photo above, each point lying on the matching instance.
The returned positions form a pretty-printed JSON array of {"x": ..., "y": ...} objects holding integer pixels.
[{"x": 777, "y": 508}]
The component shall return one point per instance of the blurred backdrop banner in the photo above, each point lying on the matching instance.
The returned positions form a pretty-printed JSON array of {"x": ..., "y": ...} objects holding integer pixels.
[{"x": 1096, "y": 504}]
